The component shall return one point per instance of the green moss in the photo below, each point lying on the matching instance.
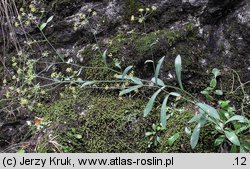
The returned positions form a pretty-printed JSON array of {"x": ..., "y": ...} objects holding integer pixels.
[
  {"x": 118, "y": 42},
  {"x": 154, "y": 40},
  {"x": 145, "y": 44},
  {"x": 177, "y": 123},
  {"x": 113, "y": 125},
  {"x": 105, "y": 123},
  {"x": 93, "y": 60},
  {"x": 60, "y": 111}
]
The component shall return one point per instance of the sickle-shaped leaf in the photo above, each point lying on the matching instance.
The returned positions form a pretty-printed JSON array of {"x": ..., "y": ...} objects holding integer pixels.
[
  {"x": 151, "y": 102},
  {"x": 104, "y": 57},
  {"x": 238, "y": 118},
  {"x": 164, "y": 108},
  {"x": 195, "y": 136},
  {"x": 178, "y": 69},
  {"x": 128, "y": 90},
  {"x": 87, "y": 83},
  {"x": 42, "y": 26},
  {"x": 126, "y": 71},
  {"x": 164, "y": 112},
  {"x": 219, "y": 140},
  {"x": 148, "y": 61},
  {"x": 158, "y": 67},
  {"x": 212, "y": 112},
  {"x": 136, "y": 80},
  {"x": 50, "y": 19},
  {"x": 159, "y": 82},
  {"x": 232, "y": 137}
]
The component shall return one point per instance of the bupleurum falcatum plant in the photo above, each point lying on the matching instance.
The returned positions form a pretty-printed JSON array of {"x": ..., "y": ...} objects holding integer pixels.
[
  {"x": 25, "y": 90},
  {"x": 230, "y": 128}
]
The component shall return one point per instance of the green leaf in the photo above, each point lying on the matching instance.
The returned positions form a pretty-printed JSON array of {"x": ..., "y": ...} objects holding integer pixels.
[
  {"x": 78, "y": 136},
  {"x": 213, "y": 83},
  {"x": 42, "y": 26},
  {"x": 234, "y": 149},
  {"x": 231, "y": 136},
  {"x": 195, "y": 136},
  {"x": 154, "y": 127},
  {"x": 126, "y": 71},
  {"x": 243, "y": 128},
  {"x": 87, "y": 83},
  {"x": 216, "y": 72},
  {"x": 173, "y": 138},
  {"x": 242, "y": 150},
  {"x": 205, "y": 92},
  {"x": 104, "y": 57},
  {"x": 128, "y": 90},
  {"x": 157, "y": 70},
  {"x": 136, "y": 80},
  {"x": 151, "y": 102},
  {"x": 164, "y": 112},
  {"x": 159, "y": 82},
  {"x": 148, "y": 61},
  {"x": 164, "y": 108},
  {"x": 238, "y": 118},
  {"x": 219, "y": 140},
  {"x": 174, "y": 94},
  {"x": 246, "y": 145},
  {"x": 196, "y": 118},
  {"x": 224, "y": 104},
  {"x": 50, "y": 19},
  {"x": 218, "y": 92},
  {"x": 212, "y": 112},
  {"x": 158, "y": 139},
  {"x": 178, "y": 69},
  {"x": 149, "y": 133},
  {"x": 117, "y": 64}
]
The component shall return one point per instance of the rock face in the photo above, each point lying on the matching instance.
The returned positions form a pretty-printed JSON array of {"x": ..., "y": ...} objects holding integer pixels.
[
  {"x": 219, "y": 36},
  {"x": 206, "y": 33}
]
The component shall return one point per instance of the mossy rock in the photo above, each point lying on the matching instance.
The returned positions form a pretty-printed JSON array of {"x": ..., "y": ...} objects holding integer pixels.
[
  {"x": 142, "y": 47},
  {"x": 106, "y": 124},
  {"x": 177, "y": 124},
  {"x": 111, "y": 125}
]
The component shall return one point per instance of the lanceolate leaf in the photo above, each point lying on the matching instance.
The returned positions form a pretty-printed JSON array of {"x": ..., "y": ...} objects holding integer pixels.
[
  {"x": 151, "y": 102},
  {"x": 219, "y": 140},
  {"x": 126, "y": 91},
  {"x": 212, "y": 112},
  {"x": 218, "y": 92},
  {"x": 164, "y": 108},
  {"x": 174, "y": 94},
  {"x": 164, "y": 112},
  {"x": 178, "y": 69},
  {"x": 238, "y": 118},
  {"x": 159, "y": 81},
  {"x": 232, "y": 137},
  {"x": 42, "y": 26},
  {"x": 195, "y": 136},
  {"x": 136, "y": 80},
  {"x": 50, "y": 19},
  {"x": 87, "y": 83},
  {"x": 196, "y": 118},
  {"x": 104, "y": 57},
  {"x": 157, "y": 70},
  {"x": 126, "y": 71}
]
